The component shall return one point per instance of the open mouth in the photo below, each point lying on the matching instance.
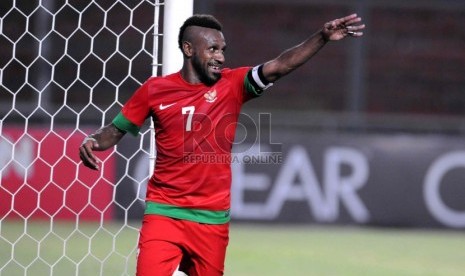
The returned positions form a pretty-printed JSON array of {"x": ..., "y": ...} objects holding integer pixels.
[{"x": 215, "y": 68}]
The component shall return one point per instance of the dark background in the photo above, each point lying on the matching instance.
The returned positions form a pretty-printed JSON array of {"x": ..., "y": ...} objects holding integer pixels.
[
  {"x": 74, "y": 63},
  {"x": 405, "y": 73}
]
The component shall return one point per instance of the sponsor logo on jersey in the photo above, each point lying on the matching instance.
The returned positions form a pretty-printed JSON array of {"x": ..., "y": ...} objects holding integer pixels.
[{"x": 166, "y": 106}]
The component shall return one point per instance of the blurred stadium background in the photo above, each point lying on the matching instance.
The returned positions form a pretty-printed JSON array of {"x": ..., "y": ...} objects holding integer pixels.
[{"x": 368, "y": 135}]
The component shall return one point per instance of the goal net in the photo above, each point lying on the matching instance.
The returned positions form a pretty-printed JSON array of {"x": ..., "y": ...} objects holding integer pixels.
[{"x": 66, "y": 68}]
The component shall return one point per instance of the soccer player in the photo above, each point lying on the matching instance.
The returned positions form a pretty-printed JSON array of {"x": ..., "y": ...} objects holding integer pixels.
[{"x": 195, "y": 112}]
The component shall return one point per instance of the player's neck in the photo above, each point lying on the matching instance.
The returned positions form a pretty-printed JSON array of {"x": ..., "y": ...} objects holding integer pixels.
[{"x": 189, "y": 75}]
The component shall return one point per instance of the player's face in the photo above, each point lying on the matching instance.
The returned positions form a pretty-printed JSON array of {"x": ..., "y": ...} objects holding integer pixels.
[{"x": 208, "y": 56}]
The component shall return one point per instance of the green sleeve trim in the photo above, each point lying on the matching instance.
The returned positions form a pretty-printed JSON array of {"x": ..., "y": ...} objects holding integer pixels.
[
  {"x": 125, "y": 125},
  {"x": 202, "y": 216},
  {"x": 251, "y": 89}
]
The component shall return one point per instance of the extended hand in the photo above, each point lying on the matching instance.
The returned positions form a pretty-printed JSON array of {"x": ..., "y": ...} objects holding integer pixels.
[{"x": 342, "y": 27}]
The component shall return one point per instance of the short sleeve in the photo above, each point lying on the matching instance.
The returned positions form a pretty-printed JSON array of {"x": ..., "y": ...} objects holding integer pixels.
[{"x": 135, "y": 111}]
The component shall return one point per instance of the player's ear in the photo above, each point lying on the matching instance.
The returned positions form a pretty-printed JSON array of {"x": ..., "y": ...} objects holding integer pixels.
[{"x": 187, "y": 48}]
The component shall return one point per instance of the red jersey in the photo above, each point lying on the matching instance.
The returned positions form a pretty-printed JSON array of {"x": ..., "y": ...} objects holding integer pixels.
[{"x": 194, "y": 130}]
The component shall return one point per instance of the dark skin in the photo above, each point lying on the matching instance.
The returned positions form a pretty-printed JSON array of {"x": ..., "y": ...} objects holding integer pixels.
[{"x": 203, "y": 50}]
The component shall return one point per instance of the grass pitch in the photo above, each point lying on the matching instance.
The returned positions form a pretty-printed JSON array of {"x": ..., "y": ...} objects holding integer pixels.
[
  {"x": 306, "y": 250},
  {"x": 39, "y": 248}
]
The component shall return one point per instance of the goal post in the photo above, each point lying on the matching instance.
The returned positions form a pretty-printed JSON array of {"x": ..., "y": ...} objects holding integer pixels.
[
  {"x": 175, "y": 13},
  {"x": 66, "y": 68}
]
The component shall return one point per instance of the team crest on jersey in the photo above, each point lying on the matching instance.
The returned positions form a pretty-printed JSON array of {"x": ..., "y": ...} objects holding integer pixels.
[{"x": 210, "y": 96}]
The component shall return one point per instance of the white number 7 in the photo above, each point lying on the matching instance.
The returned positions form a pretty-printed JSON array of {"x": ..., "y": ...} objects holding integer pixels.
[{"x": 190, "y": 111}]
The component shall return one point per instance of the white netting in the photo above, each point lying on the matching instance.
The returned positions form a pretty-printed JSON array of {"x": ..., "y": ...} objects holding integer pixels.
[{"x": 66, "y": 66}]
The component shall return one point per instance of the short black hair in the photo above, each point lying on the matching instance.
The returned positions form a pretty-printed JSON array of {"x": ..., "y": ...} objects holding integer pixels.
[{"x": 200, "y": 20}]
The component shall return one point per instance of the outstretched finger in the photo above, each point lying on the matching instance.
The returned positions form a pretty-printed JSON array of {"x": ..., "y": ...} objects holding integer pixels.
[
  {"x": 347, "y": 19},
  {"x": 355, "y": 34},
  {"x": 353, "y": 21},
  {"x": 343, "y": 22},
  {"x": 354, "y": 28}
]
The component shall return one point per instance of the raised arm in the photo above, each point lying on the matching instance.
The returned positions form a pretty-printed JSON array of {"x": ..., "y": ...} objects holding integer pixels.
[
  {"x": 102, "y": 139},
  {"x": 294, "y": 57}
]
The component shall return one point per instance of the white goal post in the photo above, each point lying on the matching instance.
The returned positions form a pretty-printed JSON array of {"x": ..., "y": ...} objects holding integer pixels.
[{"x": 66, "y": 68}]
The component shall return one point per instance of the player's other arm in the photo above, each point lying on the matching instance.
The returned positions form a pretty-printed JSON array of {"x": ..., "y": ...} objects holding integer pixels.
[
  {"x": 294, "y": 57},
  {"x": 102, "y": 139}
]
